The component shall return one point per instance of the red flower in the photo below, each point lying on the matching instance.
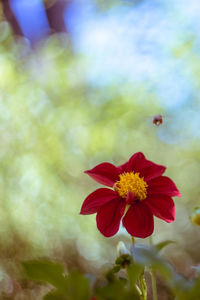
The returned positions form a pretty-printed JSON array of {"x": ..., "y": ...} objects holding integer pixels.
[{"x": 139, "y": 192}]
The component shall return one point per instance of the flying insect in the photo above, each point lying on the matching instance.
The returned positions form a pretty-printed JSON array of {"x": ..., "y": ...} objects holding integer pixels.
[{"x": 157, "y": 120}]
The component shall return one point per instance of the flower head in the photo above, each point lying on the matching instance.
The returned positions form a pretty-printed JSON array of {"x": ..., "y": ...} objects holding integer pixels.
[
  {"x": 137, "y": 192},
  {"x": 195, "y": 217}
]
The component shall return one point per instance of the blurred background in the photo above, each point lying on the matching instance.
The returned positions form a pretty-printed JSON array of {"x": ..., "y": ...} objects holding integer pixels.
[{"x": 80, "y": 83}]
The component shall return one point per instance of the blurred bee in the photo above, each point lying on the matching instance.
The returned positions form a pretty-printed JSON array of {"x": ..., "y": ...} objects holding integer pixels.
[{"x": 157, "y": 120}]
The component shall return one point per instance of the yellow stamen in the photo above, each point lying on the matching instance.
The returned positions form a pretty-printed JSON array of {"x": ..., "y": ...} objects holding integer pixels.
[{"x": 131, "y": 182}]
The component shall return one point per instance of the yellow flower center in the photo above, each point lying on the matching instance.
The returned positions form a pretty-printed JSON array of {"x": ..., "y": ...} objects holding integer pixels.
[{"x": 131, "y": 182}]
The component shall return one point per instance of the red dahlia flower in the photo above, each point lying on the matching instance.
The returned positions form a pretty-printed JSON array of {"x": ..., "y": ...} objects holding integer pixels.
[{"x": 139, "y": 192}]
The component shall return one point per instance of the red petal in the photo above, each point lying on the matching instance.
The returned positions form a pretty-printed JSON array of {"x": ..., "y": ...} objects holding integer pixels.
[
  {"x": 162, "y": 207},
  {"x": 97, "y": 199},
  {"x": 146, "y": 168},
  {"x": 104, "y": 173},
  {"x": 136, "y": 162},
  {"x": 163, "y": 186},
  {"x": 152, "y": 171},
  {"x": 123, "y": 168},
  {"x": 138, "y": 220},
  {"x": 109, "y": 216},
  {"x": 131, "y": 198},
  {"x": 136, "y": 159}
]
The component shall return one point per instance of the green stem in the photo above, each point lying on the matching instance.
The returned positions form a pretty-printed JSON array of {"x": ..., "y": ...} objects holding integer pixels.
[
  {"x": 140, "y": 285},
  {"x": 143, "y": 287},
  {"x": 138, "y": 291},
  {"x": 153, "y": 277},
  {"x": 154, "y": 287}
]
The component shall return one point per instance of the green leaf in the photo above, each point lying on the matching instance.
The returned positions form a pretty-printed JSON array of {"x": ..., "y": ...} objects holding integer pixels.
[
  {"x": 46, "y": 271},
  {"x": 149, "y": 256},
  {"x": 78, "y": 286},
  {"x": 55, "y": 295},
  {"x": 117, "y": 290},
  {"x": 181, "y": 287},
  {"x": 163, "y": 244},
  {"x": 112, "y": 291},
  {"x": 134, "y": 271},
  {"x": 195, "y": 292}
]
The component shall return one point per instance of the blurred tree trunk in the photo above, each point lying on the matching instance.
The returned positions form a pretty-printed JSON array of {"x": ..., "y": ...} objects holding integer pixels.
[
  {"x": 54, "y": 12},
  {"x": 55, "y": 15},
  {"x": 9, "y": 16}
]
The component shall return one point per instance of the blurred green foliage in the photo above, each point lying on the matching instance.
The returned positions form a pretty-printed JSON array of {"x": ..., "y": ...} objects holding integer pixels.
[
  {"x": 54, "y": 125},
  {"x": 126, "y": 285},
  {"x": 47, "y": 271},
  {"x": 72, "y": 287}
]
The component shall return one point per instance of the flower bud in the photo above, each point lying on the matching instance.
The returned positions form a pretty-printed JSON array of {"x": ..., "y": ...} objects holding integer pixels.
[
  {"x": 195, "y": 217},
  {"x": 121, "y": 249}
]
